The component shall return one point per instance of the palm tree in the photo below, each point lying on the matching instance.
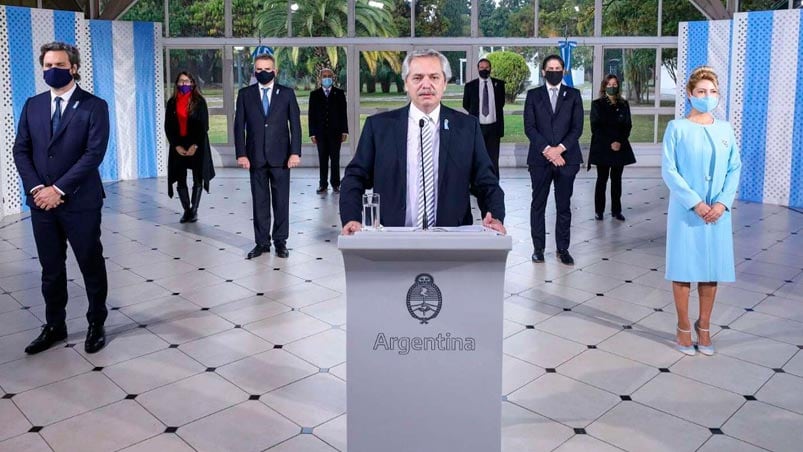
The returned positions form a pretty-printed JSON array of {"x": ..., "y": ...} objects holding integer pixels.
[{"x": 314, "y": 18}]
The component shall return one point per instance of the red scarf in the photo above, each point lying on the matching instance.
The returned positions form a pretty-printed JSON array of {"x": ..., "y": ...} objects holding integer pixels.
[{"x": 182, "y": 111}]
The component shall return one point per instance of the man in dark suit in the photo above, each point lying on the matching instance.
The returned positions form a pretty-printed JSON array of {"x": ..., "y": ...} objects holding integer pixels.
[
  {"x": 328, "y": 127},
  {"x": 421, "y": 159},
  {"x": 553, "y": 121},
  {"x": 61, "y": 141},
  {"x": 267, "y": 140},
  {"x": 484, "y": 98}
]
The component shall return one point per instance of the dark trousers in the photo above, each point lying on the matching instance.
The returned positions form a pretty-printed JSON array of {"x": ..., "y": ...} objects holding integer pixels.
[
  {"x": 197, "y": 177},
  {"x": 329, "y": 153},
  {"x": 542, "y": 177},
  {"x": 616, "y": 188},
  {"x": 52, "y": 230},
  {"x": 270, "y": 187}
]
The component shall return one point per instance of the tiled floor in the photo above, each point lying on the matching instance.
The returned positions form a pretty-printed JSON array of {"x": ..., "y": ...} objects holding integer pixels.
[{"x": 209, "y": 351}]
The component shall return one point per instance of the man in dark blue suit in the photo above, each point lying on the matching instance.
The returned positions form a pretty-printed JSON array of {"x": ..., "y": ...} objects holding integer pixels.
[
  {"x": 61, "y": 141},
  {"x": 421, "y": 159},
  {"x": 267, "y": 140},
  {"x": 553, "y": 121}
]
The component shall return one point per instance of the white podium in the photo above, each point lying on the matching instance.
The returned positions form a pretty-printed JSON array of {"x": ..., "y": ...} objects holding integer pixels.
[{"x": 424, "y": 339}]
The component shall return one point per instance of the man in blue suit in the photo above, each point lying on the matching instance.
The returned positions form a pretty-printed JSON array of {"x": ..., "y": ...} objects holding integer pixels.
[
  {"x": 61, "y": 141},
  {"x": 553, "y": 121},
  {"x": 267, "y": 140},
  {"x": 422, "y": 159}
]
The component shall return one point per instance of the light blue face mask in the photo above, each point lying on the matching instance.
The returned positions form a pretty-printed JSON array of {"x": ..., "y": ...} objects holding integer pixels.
[
  {"x": 326, "y": 82},
  {"x": 704, "y": 104}
]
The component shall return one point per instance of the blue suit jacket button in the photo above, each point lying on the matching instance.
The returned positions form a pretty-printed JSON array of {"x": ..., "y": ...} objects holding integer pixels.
[{"x": 708, "y": 178}]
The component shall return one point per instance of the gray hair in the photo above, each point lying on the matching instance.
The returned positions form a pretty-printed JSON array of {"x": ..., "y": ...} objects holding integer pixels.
[
  {"x": 447, "y": 70},
  {"x": 326, "y": 69},
  {"x": 56, "y": 46}
]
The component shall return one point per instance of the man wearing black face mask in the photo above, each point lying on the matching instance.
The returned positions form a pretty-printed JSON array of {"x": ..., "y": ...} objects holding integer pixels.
[
  {"x": 484, "y": 98},
  {"x": 553, "y": 121},
  {"x": 267, "y": 141},
  {"x": 61, "y": 140}
]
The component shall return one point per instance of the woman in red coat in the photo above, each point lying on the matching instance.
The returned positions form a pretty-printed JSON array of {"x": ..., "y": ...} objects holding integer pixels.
[{"x": 186, "y": 126}]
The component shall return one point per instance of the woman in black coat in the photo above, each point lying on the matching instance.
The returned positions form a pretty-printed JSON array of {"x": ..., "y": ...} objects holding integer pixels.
[
  {"x": 186, "y": 126},
  {"x": 610, "y": 145}
]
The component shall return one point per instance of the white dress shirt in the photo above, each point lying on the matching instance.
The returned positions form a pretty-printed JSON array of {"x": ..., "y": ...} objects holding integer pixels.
[
  {"x": 491, "y": 118},
  {"x": 65, "y": 99},
  {"x": 414, "y": 162},
  {"x": 269, "y": 86},
  {"x": 549, "y": 89}
]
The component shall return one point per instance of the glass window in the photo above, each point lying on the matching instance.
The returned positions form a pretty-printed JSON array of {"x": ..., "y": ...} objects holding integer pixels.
[
  {"x": 557, "y": 18},
  {"x": 675, "y": 12},
  {"x": 442, "y": 18},
  {"x": 669, "y": 74},
  {"x": 382, "y": 18},
  {"x": 763, "y": 5},
  {"x": 218, "y": 129},
  {"x": 195, "y": 18},
  {"x": 146, "y": 11},
  {"x": 643, "y": 130},
  {"x": 506, "y": 18},
  {"x": 663, "y": 120},
  {"x": 636, "y": 71},
  {"x": 244, "y": 15},
  {"x": 205, "y": 65},
  {"x": 637, "y": 18}
]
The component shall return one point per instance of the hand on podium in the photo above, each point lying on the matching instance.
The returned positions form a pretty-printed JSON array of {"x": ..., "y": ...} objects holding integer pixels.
[
  {"x": 492, "y": 223},
  {"x": 351, "y": 227}
]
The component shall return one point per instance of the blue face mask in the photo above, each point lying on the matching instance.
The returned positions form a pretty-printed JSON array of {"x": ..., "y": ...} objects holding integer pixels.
[
  {"x": 58, "y": 77},
  {"x": 704, "y": 104},
  {"x": 184, "y": 89},
  {"x": 327, "y": 82}
]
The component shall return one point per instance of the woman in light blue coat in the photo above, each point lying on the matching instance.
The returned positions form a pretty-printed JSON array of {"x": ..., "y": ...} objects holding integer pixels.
[{"x": 701, "y": 167}]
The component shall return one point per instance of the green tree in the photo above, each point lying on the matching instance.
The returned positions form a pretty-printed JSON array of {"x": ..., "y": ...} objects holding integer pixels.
[
  {"x": 315, "y": 18},
  {"x": 512, "y": 68}
]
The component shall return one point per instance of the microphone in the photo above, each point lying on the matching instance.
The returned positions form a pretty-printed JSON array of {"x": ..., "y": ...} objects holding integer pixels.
[{"x": 421, "y": 123}]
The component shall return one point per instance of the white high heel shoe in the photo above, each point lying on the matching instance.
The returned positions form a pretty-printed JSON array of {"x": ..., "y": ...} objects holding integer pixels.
[
  {"x": 707, "y": 350},
  {"x": 686, "y": 349}
]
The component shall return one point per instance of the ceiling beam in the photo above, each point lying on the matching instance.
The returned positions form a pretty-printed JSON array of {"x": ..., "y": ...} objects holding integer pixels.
[
  {"x": 712, "y": 9},
  {"x": 114, "y": 10}
]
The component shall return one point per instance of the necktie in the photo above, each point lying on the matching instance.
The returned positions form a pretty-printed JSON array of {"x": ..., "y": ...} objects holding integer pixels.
[
  {"x": 553, "y": 98},
  {"x": 426, "y": 186},
  {"x": 265, "y": 101},
  {"x": 326, "y": 92},
  {"x": 56, "y": 120},
  {"x": 486, "y": 110}
]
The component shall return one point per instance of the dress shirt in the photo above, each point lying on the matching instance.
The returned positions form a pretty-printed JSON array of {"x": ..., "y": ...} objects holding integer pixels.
[
  {"x": 491, "y": 118},
  {"x": 414, "y": 161}
]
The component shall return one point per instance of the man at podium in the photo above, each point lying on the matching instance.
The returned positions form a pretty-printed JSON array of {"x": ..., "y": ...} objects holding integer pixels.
[{"x": 422, "y": 159}]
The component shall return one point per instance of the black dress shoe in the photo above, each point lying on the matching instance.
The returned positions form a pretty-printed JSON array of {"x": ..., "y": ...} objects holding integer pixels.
[
  {"x": 281, "y": 251},
  {"x": 598, "y": 216},
  {"x": 565, "y": 257},
  {"x": 257, "y": 251},
  {"x": 95, "y": 338},
  {"x": 619, "y": 216},
  {"x": 538, "y": 256},
  {"x": 336, "y": 189},
  {"x": 320, "y": 190},
  {"x": 49, "y": 336}
]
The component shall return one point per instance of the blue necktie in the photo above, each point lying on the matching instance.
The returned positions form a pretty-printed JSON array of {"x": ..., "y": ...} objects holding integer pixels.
[
  {"x": 56, "y": 121},
  {"x": 265, "y": 101}
]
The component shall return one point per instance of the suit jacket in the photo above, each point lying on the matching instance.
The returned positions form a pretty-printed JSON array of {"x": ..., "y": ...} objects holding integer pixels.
[
  {"x": 267, "y": 140},
  {"x": 381, "y": 163},
  {"x": 609, "y": 123},
  {"x": 327, "y": 115},
  {"x": 471, "y": 101},
  {"x": 545, "y": 128},
  {"x": 69, "y": 158}
]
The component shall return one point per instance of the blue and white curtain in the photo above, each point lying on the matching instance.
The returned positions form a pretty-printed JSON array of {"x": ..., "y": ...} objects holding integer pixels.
[
  {"x": 121, "y": 62},
  {"x": 759, "y": 58}
]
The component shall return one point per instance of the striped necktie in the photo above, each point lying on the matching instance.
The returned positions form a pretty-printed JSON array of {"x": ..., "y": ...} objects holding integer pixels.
[{"x": 426, "y": 184}]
